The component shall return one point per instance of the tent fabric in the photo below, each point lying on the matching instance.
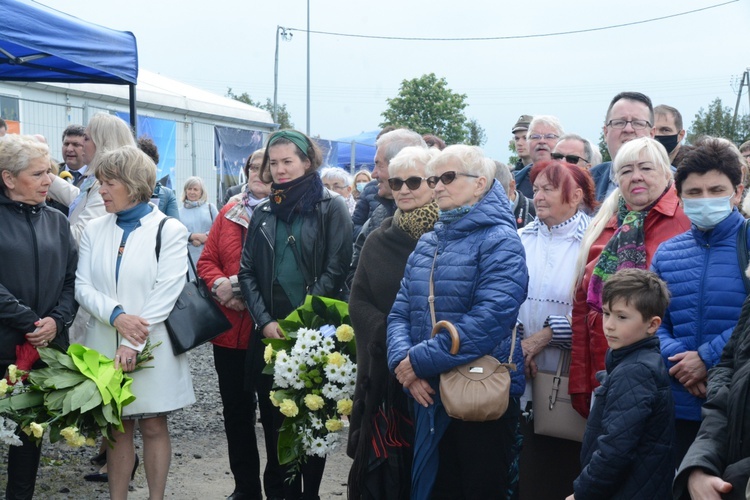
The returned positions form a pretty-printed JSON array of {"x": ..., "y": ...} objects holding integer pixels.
[
  {"x": 364, "y": 150},
  {"x": 41, "y": 44}
]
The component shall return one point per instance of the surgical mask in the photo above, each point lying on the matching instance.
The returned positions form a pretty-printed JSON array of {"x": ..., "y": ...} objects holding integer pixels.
[
  {"x": 707, "y": 213},
  {"x": 361, "y": 186},
  {"x": 668, "y": 141}
]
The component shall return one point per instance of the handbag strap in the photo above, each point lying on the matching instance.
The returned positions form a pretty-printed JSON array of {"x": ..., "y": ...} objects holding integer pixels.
[
  {"x": 158, "y": 248},
  {"x": 564, "y": 359},
  {"x": 742, "y": 257},
  {"x": 431, "y": 301}
]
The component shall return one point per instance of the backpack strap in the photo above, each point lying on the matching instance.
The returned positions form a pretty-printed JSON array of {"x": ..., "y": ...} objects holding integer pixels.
[{"x": 742, "y": 257}]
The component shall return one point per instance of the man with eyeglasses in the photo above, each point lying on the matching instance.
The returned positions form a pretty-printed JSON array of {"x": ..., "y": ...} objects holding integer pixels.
[
  {"x": 630, "y": 115},
  {"x": 574, "y": 149},
  {"x": 519, "y": 131},
  {"x": 543, "y": 134}
]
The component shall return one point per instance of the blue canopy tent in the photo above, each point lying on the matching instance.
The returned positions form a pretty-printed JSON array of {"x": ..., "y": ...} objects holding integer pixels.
[
  {"x": 40, "y": 44},
  {"x": 358, "y": 150}
]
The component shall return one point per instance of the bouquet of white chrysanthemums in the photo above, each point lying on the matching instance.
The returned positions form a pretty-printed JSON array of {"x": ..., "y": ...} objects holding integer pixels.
[{"x": 314, "y": 372}]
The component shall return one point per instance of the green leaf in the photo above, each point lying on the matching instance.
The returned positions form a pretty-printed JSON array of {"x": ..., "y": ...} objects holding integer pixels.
[
  {"x": 288, "y": 447},
  {"x": 333, "y": 316},
  {"x": 54, "y": 433},
  {"x": 53, "y": 357},
  {"x": 82, "y": 394},
  {"x": 54, "y": 400},
  {"x": 21, "y": 401},
  {"x": 268, "y": 370},
  {"x": 318, "y": 306},
  {"x": 58, "y": 379}
]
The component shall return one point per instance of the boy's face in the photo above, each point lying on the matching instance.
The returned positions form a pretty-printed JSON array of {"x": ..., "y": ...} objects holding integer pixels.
[{"x": 624, "y": 325}]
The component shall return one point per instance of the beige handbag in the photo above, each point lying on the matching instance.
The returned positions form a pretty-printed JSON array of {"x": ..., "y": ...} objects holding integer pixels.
[
  {"x": 553, "y": 410},
  {"x": 479, "y": 390}
]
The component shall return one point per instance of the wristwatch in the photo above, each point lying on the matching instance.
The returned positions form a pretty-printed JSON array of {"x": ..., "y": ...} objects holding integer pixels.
[{"x": 217, "y": 283}]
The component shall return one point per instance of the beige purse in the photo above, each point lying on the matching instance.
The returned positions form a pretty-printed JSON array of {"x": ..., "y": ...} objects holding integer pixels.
[
  {"x": 479, "y": 390},
  {"x": 553, "y": 410}
]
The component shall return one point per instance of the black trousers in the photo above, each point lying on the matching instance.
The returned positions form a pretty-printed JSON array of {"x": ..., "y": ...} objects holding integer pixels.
[
  {"x": 239, "y": 420},
  {"x": 23, "y": 465},
  {"x": 475, "y": 458}
]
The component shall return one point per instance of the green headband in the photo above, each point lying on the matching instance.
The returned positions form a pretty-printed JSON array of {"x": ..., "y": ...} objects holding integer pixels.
[{"x": 298, "y": 138}]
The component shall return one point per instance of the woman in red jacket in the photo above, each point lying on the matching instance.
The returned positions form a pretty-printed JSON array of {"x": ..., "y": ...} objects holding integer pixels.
[
  {"x": 642, "y": 213},
  {"x": 218, "y": 266}
]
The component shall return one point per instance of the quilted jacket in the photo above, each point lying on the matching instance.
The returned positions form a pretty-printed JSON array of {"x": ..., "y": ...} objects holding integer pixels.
[
  {"x": 705, "y": 281},
  {"x": 627, "y": 450},
  {"x": 221, "y": 259},
  {"x": 664, "y": 221},
  {"x": 480, "y": 282}
]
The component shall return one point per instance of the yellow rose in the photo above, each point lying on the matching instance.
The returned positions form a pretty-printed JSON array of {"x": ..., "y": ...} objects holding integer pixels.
[
  {"x": 344, "y": 406},
  {"x": 69, "y": 433},
  {"x": 268, "y": 353},
  {"x": 78, "y": 441},
  {"x": 90, "y": 442},
  {"x": 3, "y": 386},
  {"x": 273, "y": 399},
  {"x": 336, "y": 358},
  {"x": 289, "y": 408},
  {"x": 314, "y": 402},
  {"x": 12, "y": 373},
  {"x": 334, "y": 424},
  {"x": 37, "y": 430},
  {"x": 344, "y": 333}
]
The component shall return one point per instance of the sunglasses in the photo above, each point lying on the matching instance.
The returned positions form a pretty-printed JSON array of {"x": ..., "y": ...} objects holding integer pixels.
[
  {"x": 446, "y": 178},
  {"x": 569, "y": 158},
  {"x": 412, "y": 183}
]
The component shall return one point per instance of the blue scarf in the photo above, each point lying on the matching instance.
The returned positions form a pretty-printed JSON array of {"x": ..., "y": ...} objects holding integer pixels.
[{"x": 448, "y": 216}]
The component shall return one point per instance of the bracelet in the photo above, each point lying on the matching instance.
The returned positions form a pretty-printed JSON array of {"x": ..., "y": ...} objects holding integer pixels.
[
  {"x": 236, "y": 291},
  {"x": 217, "y": 283}
]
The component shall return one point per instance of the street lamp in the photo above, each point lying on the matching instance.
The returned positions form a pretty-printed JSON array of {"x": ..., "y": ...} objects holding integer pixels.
[{"x": 286, "y": 34}]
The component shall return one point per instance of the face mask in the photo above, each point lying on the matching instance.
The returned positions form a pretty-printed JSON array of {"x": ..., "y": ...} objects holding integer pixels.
[
  {"x": 707, "y": 213},
  {"x": 668, "y": 141},
  {"x": 361, "y": 186}
]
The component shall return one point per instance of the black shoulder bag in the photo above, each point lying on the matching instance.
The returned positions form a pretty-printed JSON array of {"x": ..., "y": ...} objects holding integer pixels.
[{"x": 195, "y": 318}]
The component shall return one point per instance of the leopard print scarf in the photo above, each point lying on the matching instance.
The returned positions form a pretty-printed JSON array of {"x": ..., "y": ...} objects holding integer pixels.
[{"x": 419, "y": 221}]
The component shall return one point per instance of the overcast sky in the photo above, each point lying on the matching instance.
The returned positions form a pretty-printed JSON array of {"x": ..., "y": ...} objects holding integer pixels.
[{"x": 684, "y": 61}]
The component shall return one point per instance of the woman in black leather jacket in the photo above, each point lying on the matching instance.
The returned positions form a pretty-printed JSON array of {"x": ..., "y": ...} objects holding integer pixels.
[
  {"x": 298, "y": 243},
  {"x": 38, "y": 259}
]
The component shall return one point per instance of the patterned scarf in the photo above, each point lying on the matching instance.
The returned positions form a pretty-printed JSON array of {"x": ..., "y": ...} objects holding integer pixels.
[
  {"x": 626, "y": 249},
  {"x": 419, "y": 221},
  {"x": 248, "y": 200},
  {"x": 298, "y": 196},
  {"x": 192, "y": 204}
]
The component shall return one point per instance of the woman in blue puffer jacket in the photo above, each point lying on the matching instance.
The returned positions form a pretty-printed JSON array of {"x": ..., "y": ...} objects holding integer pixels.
[
  {"x": 480, "y": 280},
  {"x": 704, "y": 277}
]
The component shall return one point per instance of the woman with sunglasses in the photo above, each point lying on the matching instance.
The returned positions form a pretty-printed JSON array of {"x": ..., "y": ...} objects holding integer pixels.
[
  {"x": 298, "y": 243},
  {"x": 374, "y": 289},
  {"x": 476, "y": 261},
  {"x": 563, "y": 195}
]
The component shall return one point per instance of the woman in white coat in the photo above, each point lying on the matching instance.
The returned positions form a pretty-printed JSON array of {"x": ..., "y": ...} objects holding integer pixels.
[{"x": 129, "y": 292}]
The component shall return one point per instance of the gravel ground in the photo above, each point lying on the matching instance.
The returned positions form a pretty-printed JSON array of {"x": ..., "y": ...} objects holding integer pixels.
[{"x": 200, "y": 468}]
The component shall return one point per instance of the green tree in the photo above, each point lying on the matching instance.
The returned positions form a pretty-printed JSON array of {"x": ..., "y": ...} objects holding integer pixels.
[
  {"x": 717, "y": 121},
  {"x": 475, "y": 133},
  {"x": 284, "y": 119},
  {"x": 603, "y": 149},
  {"x": 427, "y": 106},
  {"x": 512, "y": 159}
]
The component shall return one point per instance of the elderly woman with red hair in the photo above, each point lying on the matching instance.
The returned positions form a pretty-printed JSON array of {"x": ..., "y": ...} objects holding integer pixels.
[{"x": 563, "y": 195}]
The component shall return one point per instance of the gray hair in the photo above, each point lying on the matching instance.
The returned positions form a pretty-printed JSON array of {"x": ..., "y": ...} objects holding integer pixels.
[
  {"x": 16, "y": 151},
  {"x": 396, "y": 140},
  {"x": 108, "y": 132},
  {"x": 596, "y": 155},
  {"x": 190, "y": 182},
  {"x": 336, "y": 173},
  {"x": 471, "y": 159},
  {"x": 503, "y": 175},
  {"x": 132, "y": 167},
  {"x": 409, "y": 158},
  {"x": 549, "y": 120},
  {"x": 587, "y": 149}
]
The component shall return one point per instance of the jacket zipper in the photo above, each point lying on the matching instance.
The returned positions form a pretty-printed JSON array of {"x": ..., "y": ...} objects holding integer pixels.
[
  {"x": 36, "y": 261},
  {"x": 273, "y": 261}
]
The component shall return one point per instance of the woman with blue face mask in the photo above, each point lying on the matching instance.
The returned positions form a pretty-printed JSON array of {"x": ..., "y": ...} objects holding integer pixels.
[{"x": 704, "y": 277}]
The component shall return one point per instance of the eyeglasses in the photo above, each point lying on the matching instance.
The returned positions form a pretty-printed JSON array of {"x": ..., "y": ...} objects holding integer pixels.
[
  {"x": 412, "y": 183},
  {"x": 549, "y": 137},
  {"x": 569, "y": 158},
  {"x": 636, "y": 124},
  {"x": 446, "y": 178}
]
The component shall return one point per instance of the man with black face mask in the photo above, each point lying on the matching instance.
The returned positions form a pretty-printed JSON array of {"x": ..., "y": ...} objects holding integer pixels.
[{"x": 669, "y": 131}]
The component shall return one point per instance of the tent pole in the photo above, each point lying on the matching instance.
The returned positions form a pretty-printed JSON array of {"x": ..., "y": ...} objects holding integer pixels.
[
  {"x": 133, "y": 117},
  {"x": 353, "y": 161}
]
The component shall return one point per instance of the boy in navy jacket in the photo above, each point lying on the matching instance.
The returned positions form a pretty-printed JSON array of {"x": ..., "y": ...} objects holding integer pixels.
[{"x": 627, "y": 449}]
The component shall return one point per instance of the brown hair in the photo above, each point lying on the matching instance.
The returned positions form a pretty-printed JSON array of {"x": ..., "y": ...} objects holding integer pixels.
[{"x": 642, "y": 289}]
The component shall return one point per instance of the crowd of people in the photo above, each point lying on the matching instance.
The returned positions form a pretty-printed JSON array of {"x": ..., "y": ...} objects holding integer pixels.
[{"x": 626, "y": 278}]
